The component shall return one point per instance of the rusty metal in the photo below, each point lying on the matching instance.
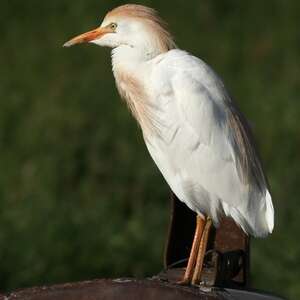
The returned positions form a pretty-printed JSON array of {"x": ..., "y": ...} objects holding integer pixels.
[
  {"x": 228, "y": 265},
  {"x": 113, "y": 289},
  {"x": 131, "y": 289}
]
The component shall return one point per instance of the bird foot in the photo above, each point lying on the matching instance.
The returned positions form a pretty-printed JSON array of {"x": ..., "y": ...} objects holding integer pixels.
[{"x": 184, "y": 282}]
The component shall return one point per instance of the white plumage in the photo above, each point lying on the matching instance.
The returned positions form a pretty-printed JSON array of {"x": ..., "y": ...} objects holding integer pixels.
[
  {"x": 193, "y": 131},
  {"x": 194, "y": 147}
]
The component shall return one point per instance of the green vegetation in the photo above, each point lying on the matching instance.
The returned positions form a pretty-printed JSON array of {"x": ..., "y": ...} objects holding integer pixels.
[{"x": 79, "y": 195}]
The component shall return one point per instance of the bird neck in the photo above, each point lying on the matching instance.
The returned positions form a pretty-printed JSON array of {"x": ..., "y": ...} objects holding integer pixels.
[
  {"x": 131, "y": 71},
  {"x": 129, "y": 57}
]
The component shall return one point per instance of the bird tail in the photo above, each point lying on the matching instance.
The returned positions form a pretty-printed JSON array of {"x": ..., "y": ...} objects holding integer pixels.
[
  {"x": 264, "y": 219},
  {"x": 269, "y": 212},
  {"x": 258, "y": 222}
]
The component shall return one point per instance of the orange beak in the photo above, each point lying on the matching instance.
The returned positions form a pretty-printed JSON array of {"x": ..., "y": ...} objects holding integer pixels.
[{"x": 88, "y": 36}]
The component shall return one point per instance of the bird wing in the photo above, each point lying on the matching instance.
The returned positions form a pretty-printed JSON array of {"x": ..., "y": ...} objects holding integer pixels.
[{"x": 205, "y": 150}]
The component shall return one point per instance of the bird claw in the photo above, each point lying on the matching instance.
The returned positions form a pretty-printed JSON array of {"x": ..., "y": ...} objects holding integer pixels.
[{"x": 183, "y": 282}]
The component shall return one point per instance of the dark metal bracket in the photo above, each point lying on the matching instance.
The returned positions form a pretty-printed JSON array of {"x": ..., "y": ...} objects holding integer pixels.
[{"x": 227, "y": 259}]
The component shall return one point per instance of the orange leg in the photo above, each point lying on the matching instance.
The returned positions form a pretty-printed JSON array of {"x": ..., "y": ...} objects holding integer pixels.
[
  {"x": 194, "y": 251},
  {"x": 201, "y": 253}
]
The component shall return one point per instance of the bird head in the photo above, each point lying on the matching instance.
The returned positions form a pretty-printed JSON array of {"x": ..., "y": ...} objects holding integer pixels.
[{"x": 131, "y": 26}]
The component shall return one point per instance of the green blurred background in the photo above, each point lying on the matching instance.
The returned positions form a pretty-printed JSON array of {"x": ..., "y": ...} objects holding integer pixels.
[{"x": 79, "y": 195}]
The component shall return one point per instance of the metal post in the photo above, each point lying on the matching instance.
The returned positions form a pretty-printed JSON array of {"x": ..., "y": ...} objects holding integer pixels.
[{"x": 227, "y": 264}]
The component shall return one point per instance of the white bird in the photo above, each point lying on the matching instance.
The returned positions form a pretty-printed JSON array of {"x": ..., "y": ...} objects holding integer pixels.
[{"x": 193, "y": 130}]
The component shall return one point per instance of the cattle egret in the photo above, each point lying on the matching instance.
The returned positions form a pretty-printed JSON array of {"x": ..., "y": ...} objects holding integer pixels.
[{"x": 194, "y": 132}]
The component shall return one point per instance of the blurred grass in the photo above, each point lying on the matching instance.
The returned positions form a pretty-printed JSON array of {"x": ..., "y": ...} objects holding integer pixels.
[{"x": 79, "y": 195}]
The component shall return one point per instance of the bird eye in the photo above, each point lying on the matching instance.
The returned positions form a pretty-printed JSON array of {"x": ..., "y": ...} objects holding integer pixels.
[{"x": 113, "y": 26}]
